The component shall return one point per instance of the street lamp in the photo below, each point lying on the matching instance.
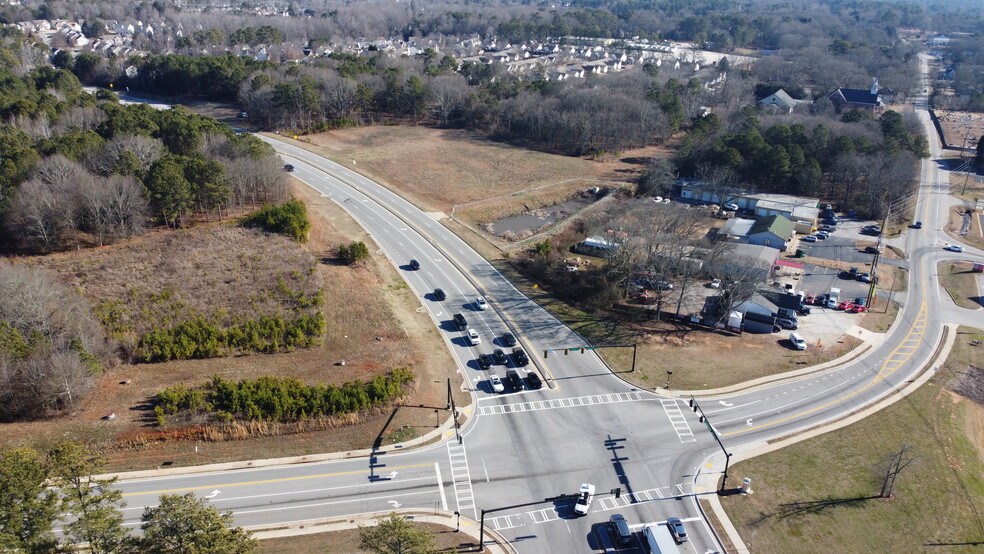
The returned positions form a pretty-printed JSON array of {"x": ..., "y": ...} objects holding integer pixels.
[
  {"x": 668, "y": 373},
  {"x": 727, "y": 459}
]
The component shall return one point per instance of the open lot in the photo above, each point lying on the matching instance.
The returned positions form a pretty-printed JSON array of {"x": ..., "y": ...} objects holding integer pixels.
[
  {"x": 961, "y": 283},
  {"x": 826, "y": 490}
]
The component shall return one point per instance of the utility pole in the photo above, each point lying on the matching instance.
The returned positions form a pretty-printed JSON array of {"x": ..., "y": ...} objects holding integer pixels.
[{"x": 727, "y": 455}]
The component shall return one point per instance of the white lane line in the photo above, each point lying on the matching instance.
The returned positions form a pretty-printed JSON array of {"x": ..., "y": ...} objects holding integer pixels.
[{"x": 440, "y": 485}]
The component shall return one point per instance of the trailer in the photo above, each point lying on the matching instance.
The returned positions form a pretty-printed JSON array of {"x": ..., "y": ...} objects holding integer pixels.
[{"x": 659, "y": 539}]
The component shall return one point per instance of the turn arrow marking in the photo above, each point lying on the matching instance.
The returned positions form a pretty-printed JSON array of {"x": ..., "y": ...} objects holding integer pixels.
[
  {"x": 212, "y": 495},
  {"x": 395, "y": 504}
]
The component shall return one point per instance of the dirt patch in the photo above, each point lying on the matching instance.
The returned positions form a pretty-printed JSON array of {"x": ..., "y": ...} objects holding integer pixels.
[
  {"x": 960, "y": 129},
  {"x": 373, "y": 324}
]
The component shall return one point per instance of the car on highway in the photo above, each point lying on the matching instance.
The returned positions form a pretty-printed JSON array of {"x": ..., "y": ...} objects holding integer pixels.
[
  {"x": 809, "y": 238},
  {"x": 845, "y": 306},
  {"x": 584, "y": 497},
  {"x": 481, "y": 304},
  {"x": 499, "y": 357},
  {"x": 953, "y": 248},
  {"x": 484, "y": 361},
  {"x": 520, "y": 357},
  {"x": 677, "y": 529},
  {"x": 620, "y": 529},
  {"x": 514, "y": 380},
  {"x": 917, "y": 225},
  {"x": 439, "y": 295},
  {"x": 414, "y": 265},
  {"x": 460, "y": 322},
  {"x": 508, "y": 339},
  {"x": 289, "y": 168},
  {"x": 533, "y": 381},
  {"x": 473, "y": 337},
  {"x": 496, "y": 384},
  {"x": 797, "y": 340}
]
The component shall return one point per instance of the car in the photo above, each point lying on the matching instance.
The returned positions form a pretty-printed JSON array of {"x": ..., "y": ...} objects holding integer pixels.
[
  {"x": 821, "y": 235},
  {"x": 677, "y": 529},
  {"x": 845, "y": 306},
  {"x": 804, "y": 309},
  {"x": 243, "y": 115},
  {"x": 484, "y": 361},
  {"x": 499, "y": 357},
  {"x": 514, "y": 380},
  {"x": 289, "y": 168},
  {"x": 620, "y": 529},
  {"x": 663, "y": 285},
  {"x": 831, "y": 302},
  {"x": 953, "y": 248},
  {"x": 533, "y": 381},
  {"x": 810, "y": 299},
  {"x": 871, "y": 250},
  {"x": 585, "y": 495},
  {"x": 473, "y": 337},
  {"x": 859, "y": 309},
  {"x": 460, "y": 322},
  {"x": 520, "y": 357},
  {"x": 797, "y": 340},
  {"x": 481, "y": 304},
  {"x": 860, "y": 301},
  {"x": 828, "y": 228},
  {"x": 854, "y": 272},
  {"x": 439, "y": 294},
  {"x": 845, "y": 275},
  {"x": 917, "y": 225},
  {"x": 715, "y": 284},
  {"x": 731, "y": 206},
  {"x": 414, "y": 265},
  {"x": 864, "y": 277},
  {"x": 508, "y": 339},
  {"x": 788, "y": 323},
  {"x": 496, "y": 383},
  {"x": 809, "y": 238}
]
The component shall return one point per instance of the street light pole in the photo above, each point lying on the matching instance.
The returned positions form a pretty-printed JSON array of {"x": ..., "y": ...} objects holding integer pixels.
[{"x": 705, "y": 421}]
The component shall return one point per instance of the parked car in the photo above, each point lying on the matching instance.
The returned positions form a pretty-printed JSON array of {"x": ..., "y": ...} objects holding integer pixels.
[
  {"x": 860, "y": 301},
  {"x": 845, "y": 306},
  {"x": 414, "y": 265},
  {"x": 677, "y": 529},
  {"x": 508, "y": 339},
  {"x": 715, "y": 284},
  {"x": 481, "y": 304},
  {"x": 496, "y": 383},
  {"x": 584, "y": 497},
  {"x": 788, "y": 323},
  {"x": 854, "y": 272},
  {"x": 822, "y": 235},
  {"x": 864, "y": 277},
  {"x": 859, "y": 309},
  {"x": 514, "y": 380},
  {"x": 533, "y": 381},
  {"x": 797, "y": 340},
  {"x": 810, "y": 299},
  {"x": 731, "y": 206},
  {"x": 520, "y": 357},
  {"x": 953, "y": 248},
  {"x": 243, "y": 115},
  {"x": 620, "y": 529},
  {"x": 499, "y": 357},
  {"x": 828, "y": 228},
  {"x": 831, "y": 302},
  {"x": 804, "y": 309},
  {"x": 809, "y": 238},
  {"x": 871, "y": 250},
  {"x": 439, "y": 295},
  {"x": 484, "y": 361}
]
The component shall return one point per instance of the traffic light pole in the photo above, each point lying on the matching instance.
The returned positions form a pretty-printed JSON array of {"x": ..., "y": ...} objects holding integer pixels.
[{"x": 727, "y": 455}]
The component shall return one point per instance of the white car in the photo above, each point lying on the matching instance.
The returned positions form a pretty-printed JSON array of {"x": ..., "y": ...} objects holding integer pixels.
[
  {"x": 473, "y": 337},
  {"x": 809, "y": 238},
  {"x": 731, "y": 206},
  {"x": 953, "y": 248},
  {"x": 481, "y": 304},
  {"x": 496, "y": 384},
  {"x": 584, "y": 497},
  {"x": 715, "y": 283},
  {"x": 797, "y": 341}
]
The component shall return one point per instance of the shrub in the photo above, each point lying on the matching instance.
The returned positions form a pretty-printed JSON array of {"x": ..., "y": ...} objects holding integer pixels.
[
  {"x": 355, "y": 252},
  {"x": 288, "y": 219}
]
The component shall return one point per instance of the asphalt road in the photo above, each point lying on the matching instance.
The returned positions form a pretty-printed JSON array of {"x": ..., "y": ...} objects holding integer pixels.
[{"x": 522, "y": 449}]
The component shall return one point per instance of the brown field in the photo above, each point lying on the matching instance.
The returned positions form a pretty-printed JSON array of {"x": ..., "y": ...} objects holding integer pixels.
[
  {"x": 347, "y": 542},
  {"x": 380, "y": 331}
]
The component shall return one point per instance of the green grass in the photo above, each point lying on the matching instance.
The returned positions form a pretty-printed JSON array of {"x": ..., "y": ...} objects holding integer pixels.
[{"x": 821, "y": 494}]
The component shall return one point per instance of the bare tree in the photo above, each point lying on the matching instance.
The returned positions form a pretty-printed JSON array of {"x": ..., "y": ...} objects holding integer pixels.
[
  {"x": 34, "y": 214},
  {"x": 339, "y": 96},
  {"x": 448, "y": 94},
  {"x": 146, "y": 150}
]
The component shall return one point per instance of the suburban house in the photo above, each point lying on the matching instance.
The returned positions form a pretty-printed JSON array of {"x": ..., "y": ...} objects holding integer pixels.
[
  {"x": 752, "y": 259},
  {"x": 735, "y": 229},
  {"x": 773, "y": 231},
  {"x": 846, "y": 99},
  {"x": 759, "y": 314},
  {"x": 780, "y": 100}
]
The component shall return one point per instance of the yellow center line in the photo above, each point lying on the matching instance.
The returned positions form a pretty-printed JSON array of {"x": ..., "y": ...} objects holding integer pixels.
[{"x": 265, "y": 481}]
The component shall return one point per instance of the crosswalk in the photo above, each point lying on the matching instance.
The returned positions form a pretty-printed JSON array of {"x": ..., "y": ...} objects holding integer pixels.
[
  {"x": 461, "y": 478},
  {"x": 557, "y": 403},
  {"x": 678, "y": 420},
  {"x": 546, "y": 515}
]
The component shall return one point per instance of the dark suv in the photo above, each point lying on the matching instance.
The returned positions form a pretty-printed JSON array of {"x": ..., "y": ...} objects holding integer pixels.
[
  {"x": 514, "y": 380},
  {"x": 520, "y": 357},
  {"x": 439, "y": 295},
  {"x": 414, "y": 265},
  {"x": 460, "y": 322},
  {"x": 620, "y": 529},
  {"x": 534, "y": 381}
]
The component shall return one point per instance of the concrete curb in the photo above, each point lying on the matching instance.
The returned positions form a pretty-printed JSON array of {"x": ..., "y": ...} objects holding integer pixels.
[
  {"x": 708, "y": 481},
  {"x": 468, "y": 526},
  {"x": 446, "y": 428}
]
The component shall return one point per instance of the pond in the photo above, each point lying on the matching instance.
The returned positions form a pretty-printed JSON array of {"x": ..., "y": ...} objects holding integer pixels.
[{"x": 528, "y": 223}]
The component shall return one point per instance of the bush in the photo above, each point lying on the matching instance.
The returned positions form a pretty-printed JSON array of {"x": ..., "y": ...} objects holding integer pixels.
[
  {"x": 288, "y": 219},
  {"x": 355, "y": 252}
]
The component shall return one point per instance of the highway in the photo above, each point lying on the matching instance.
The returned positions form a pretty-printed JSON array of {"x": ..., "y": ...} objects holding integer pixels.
[{"x": 586, "y": 425}]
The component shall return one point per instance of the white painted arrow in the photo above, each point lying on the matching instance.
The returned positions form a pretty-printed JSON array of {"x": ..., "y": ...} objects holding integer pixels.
[
  {"x": 726, "y": 404},
  {"x": 748, "y": 422},
  {"x": 213, "y": 494},
  {"x": 395, "y": 504},
  {"x": 392, "y": 475}
]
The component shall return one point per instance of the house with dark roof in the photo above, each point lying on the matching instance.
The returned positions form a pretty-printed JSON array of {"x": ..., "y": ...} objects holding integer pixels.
[
  {"x": 847, "y": 99},
  {"x": 773, "y": 231}
]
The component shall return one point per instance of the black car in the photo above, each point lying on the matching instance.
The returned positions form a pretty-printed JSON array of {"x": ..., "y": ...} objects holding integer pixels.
[
  {"x": 414, "y": 265},
  {"x": 804, "y": 309},
  {"x": 288, "y": 168},
  {"x": 870, "y": 249},
  {"x": 499, "y": 356},
  {"x": 514, "y": 380},
  {"x": 533, "y": 380},
  {"x": 917, "y": 225},
  {"x": 439, "y": 294},
  {"x": 508, "y": 339},
  {"x": 520, "y": 357},
  {"x": 484, "y": 361},
  {"x": 460, "y": 322}
]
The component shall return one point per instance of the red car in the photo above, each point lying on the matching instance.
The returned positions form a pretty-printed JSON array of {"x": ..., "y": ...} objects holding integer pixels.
[
  {"x": 845, "y": 306},
  {"x": 859, "y": 309},
  {"x": 810, "y": 299}
]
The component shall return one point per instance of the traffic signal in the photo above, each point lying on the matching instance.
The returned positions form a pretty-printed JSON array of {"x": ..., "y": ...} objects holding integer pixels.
[
  {"x": 701, "y": 419},
  {"x": 693, "y": 404},
  {"x": 618, "y": 492}
]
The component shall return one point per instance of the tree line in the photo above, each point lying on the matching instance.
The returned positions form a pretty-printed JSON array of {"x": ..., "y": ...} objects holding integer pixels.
[{"x": 62, "y": 489}]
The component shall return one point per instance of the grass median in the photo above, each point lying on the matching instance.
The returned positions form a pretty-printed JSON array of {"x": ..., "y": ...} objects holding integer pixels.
[{"x": 826, "y": 493}]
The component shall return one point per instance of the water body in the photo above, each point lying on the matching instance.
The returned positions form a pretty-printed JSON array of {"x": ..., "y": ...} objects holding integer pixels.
[{"x": 537, "y": 219}]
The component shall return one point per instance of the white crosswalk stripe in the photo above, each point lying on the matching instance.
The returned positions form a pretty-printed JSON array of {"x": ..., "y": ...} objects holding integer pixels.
[
  {"x": 461, "y": 478},
  {"x": 556, "y": 403},
  {"x": 678, "y": 420}
]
